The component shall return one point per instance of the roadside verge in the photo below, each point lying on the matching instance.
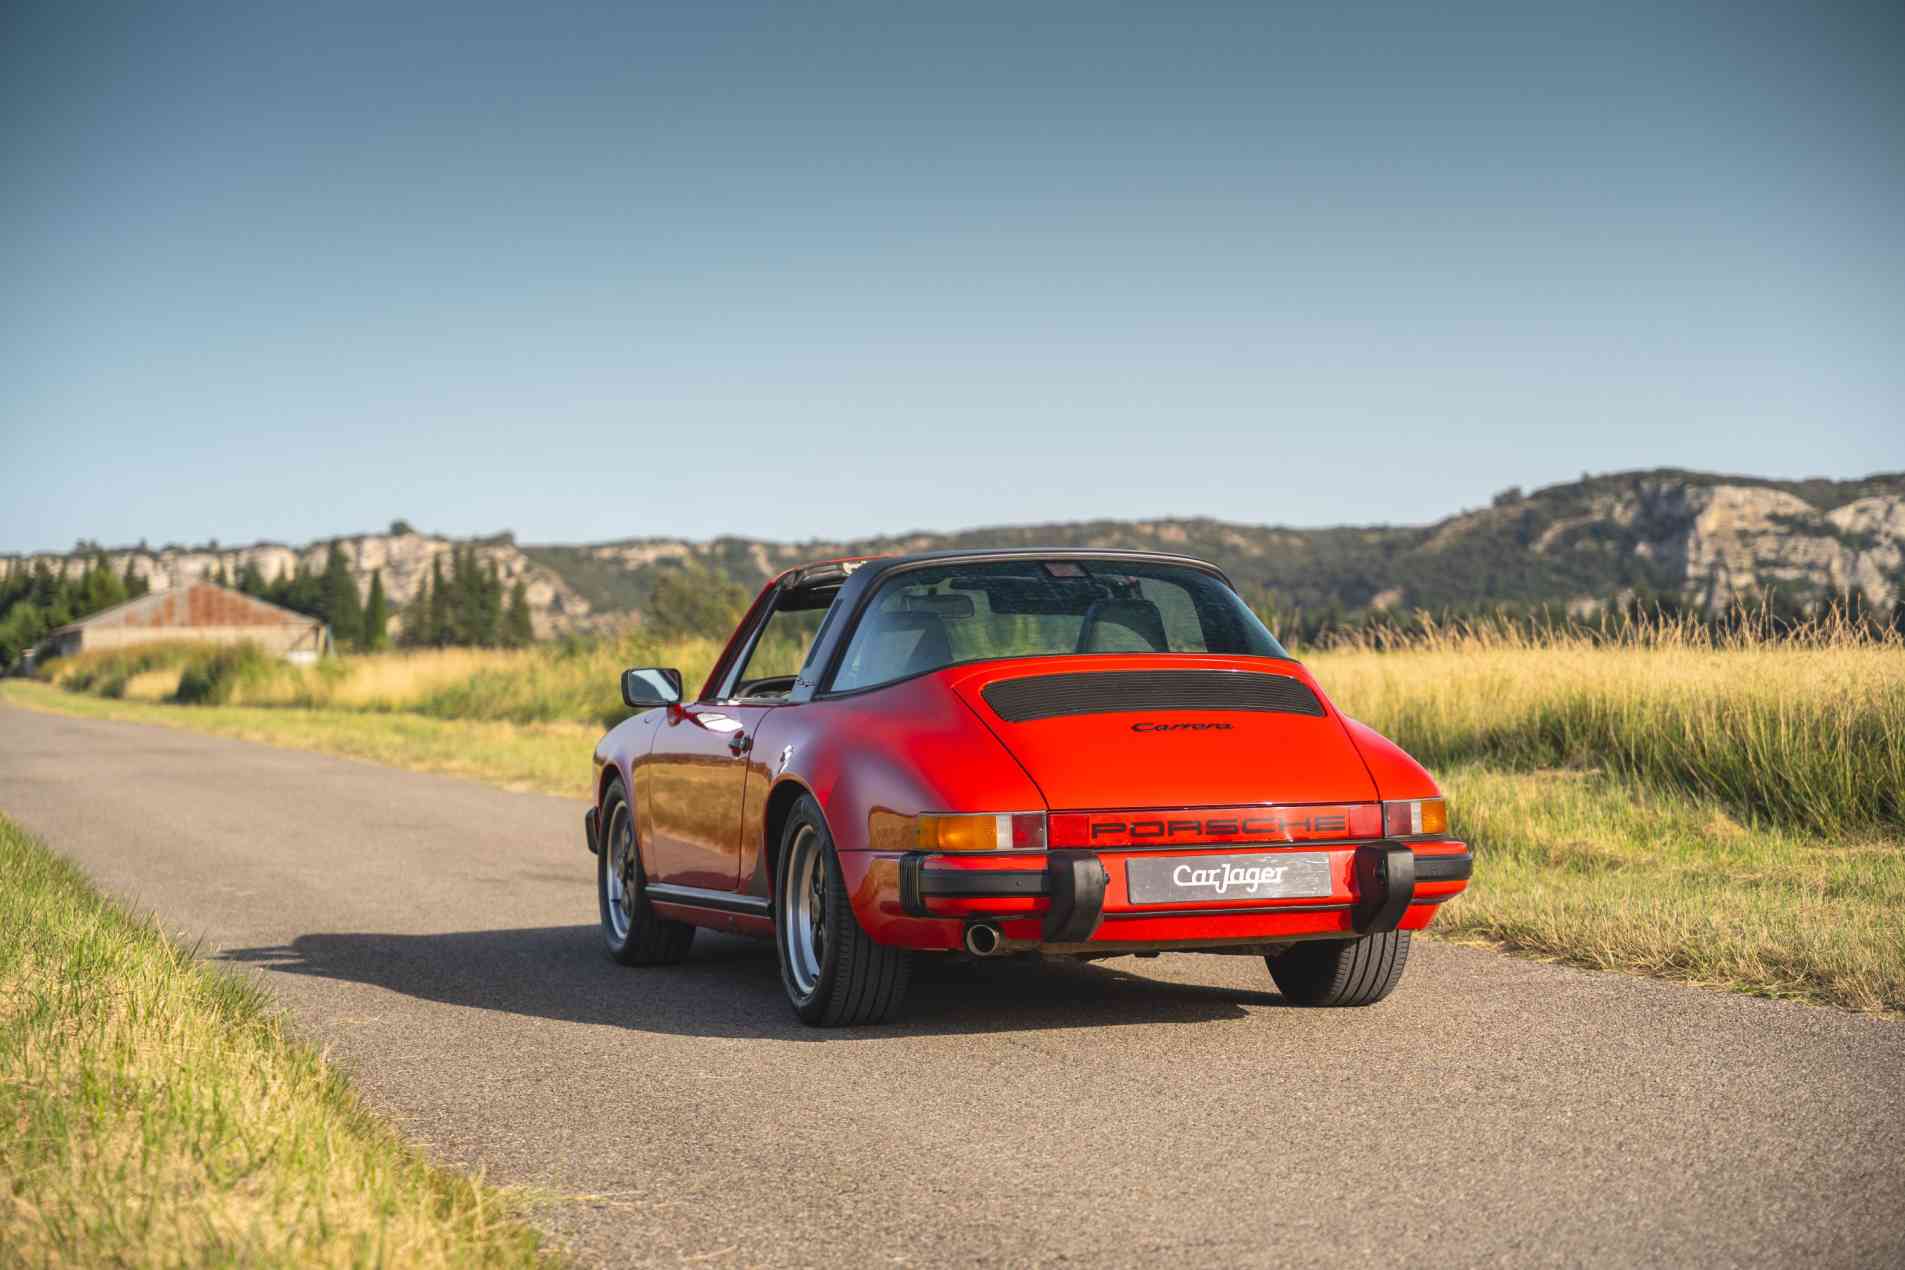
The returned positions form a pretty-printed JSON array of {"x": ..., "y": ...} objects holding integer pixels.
[
  {"x": 153, "y": 1111},
  {"x": 543, "y": 758}
]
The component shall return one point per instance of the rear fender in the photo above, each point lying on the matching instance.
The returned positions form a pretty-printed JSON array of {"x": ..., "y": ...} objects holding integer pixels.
[
  {"x": 1395, "y": 773},
  {"x": 904, "y": 749}
]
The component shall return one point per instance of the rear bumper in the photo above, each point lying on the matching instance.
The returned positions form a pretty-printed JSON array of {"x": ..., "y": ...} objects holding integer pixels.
[{"x": 1078, "y": 899}]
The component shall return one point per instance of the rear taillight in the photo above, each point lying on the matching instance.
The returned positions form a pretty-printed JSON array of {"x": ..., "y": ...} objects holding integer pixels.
[
  {"x": 1006, "y": 831},
  {"x": 1415, "y": 818}
]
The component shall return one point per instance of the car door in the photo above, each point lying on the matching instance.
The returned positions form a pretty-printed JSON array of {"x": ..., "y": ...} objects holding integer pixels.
[{"x": 696, "y": 775}]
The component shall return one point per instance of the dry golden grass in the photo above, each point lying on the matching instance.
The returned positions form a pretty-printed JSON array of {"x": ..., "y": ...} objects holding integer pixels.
[
  {"x": 575, "y": 681},
  {"x": 154, "y": 1113},
  {"x": 107, "y": 673},
  {"x": 151, "y": 685},
  {"x": 1807, "y": 734},
  {"x": 402, "y": 680},
  {"x": 1728, "y": 811}
]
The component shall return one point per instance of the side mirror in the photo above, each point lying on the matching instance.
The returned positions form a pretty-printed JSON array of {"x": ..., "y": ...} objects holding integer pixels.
[{"x": 651, "y": 686}]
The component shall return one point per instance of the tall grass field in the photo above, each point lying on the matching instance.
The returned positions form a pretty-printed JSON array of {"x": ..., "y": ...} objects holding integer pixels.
[
  {"x": 153, "y": 1112},
  {"x": 570, "y": 681},
  {"x": 1727, "y": 810}
]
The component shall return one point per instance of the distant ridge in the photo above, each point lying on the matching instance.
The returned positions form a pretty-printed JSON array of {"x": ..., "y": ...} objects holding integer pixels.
[{"x": 1703, "y": 539}]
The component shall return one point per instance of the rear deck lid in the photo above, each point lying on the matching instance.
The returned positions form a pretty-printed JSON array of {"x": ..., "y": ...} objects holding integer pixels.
[{"x": 1167, "y": 731}]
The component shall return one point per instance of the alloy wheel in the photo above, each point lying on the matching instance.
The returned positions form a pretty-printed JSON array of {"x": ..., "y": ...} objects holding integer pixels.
[
  {"x": 621, "y": 874},
  {"x": 803, "y": 916}
]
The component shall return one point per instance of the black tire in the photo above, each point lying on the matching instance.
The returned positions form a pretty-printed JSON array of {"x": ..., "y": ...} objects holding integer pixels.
[
  {"x": 634, "y": 936},
  {"x": 834, "y": 974},
  {"x": 1341, "y": 971}
]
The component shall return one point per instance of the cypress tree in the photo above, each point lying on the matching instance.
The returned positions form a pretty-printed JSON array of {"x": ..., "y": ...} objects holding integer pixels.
[
  {"x": 99, "y": 587},
  {"x": 518, "y": 630},
  {"x": 490, "y": 605},
  {"x": 414, "y": 633},
  {"x": 376, "y": 614},
  {"x": 251, "y": 580},
  {"x": 46, "y": 587},
  {"x": 306, "y": 592},
  {"x": 341, "y": 606},
  {"x": 457, "y": 618},
  {"x": 437, "y": 614},
  {"x": 470, "y": 614}
]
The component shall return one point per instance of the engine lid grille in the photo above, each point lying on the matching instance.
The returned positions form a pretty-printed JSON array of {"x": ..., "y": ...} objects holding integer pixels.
[{"x": 1035, "y": 697}]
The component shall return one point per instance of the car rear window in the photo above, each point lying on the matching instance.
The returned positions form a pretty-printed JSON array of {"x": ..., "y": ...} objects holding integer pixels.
[{"x": 924, "y": 618}]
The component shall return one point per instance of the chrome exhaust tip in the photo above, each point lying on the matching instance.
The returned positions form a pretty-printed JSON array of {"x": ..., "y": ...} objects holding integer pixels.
[{"x": 983, "y": 939}]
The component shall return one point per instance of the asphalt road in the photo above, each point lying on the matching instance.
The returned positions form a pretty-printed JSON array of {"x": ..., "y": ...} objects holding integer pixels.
[{"x": 439, "y": 937}]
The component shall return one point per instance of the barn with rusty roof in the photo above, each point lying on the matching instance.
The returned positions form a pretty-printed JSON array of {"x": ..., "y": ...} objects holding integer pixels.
[{"x": 202, "y": 611}]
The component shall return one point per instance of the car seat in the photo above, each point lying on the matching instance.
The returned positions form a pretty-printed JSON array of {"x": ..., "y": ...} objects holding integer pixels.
[
  {"x": 1123, "y": 626},
  {"x": 903, "y": 643}
]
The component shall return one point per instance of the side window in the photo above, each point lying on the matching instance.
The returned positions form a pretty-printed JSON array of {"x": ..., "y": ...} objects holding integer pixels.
[{"x": 783, "y": 645}]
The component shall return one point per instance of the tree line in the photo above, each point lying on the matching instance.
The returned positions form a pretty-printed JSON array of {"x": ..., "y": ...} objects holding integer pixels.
[
  {"x": 36, "y": 601},
  {"x": 464, "y": 605},
  {"x": 1772, "y": 614}
]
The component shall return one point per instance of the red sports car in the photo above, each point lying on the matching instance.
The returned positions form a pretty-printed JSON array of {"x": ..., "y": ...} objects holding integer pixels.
[{"x": 981, "y": 753}]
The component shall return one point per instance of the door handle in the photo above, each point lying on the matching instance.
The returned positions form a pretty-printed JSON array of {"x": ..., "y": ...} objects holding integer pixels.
[{"x": 739, "y": 744}]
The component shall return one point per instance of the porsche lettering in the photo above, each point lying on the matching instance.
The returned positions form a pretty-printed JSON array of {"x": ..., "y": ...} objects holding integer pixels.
[{"x": 1223, "y": 827}]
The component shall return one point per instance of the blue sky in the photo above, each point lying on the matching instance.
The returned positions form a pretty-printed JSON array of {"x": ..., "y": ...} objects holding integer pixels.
[{"x": 601, "y": 271}]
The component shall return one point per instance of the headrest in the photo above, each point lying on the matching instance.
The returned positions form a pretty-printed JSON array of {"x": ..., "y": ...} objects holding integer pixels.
[
  {"x": 1122, "y": 626},
  {"x": 893, "y": 655}
]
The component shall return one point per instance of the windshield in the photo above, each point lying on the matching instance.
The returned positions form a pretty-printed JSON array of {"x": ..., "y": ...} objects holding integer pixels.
[{"x": 941, "y": 615}]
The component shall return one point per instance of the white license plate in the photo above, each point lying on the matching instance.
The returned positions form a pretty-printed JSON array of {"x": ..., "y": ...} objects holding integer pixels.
[{"x": 1257, "y": 876}]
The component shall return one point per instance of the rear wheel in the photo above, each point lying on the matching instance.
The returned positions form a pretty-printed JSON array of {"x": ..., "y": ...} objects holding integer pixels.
[
  {"x": 633, "y": 934},
  {"x": 835, "y": 976},
  {"x": 1341, "y": 971}
]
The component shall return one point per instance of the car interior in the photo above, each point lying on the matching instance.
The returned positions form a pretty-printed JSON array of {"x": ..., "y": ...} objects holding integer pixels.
[
  {"x": 914, "y": 631},
  {"x": 784, "y": 643},
  {"x": 1123, "y": 626},
  {"x": 903, "y": 642}
]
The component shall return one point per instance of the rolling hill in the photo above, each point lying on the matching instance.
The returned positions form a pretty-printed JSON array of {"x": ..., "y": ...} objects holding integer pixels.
[{"x": 1702, "y": 539}]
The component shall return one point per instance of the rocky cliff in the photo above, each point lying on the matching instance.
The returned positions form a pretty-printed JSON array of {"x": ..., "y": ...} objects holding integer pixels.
[
  {"x": 403, "y": 559},
  {"x": 1706, "y": 540}
]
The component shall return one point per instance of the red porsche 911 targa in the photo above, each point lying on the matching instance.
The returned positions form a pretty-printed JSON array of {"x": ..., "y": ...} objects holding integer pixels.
[{"x": 982, "y": 753}]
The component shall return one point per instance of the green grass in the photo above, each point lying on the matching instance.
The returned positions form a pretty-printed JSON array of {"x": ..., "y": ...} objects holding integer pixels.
[
  {"x": 154, "y": 1112},
  {"x": 1587, "y": 868},
  {"x": 550, "y": 758}
]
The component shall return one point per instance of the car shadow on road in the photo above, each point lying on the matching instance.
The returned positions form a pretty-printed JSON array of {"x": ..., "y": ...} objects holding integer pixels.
[{"x": 730, "y": 987}]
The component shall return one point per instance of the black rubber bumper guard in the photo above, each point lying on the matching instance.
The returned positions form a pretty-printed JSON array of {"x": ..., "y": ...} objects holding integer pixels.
[
  {"x": 1075, "y": 881},
  {"x": 590, "y": 833},
  {"x": 1386, "y": 877}
]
